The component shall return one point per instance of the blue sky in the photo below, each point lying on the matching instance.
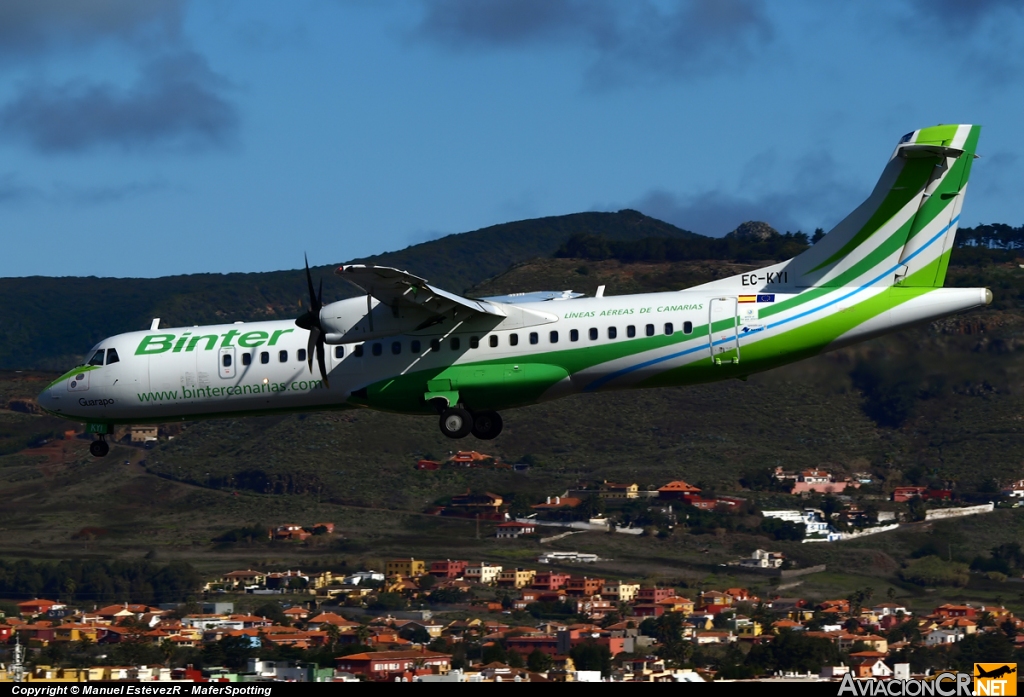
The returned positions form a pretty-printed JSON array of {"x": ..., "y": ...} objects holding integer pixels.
[{"x": 169, "y": 137}]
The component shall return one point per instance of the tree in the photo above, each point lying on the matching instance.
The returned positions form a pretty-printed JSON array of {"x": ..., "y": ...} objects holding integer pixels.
[
  {"x": 515, "y": 659},
  {"x": 538, "y": 661},
  {"x": 592, "y": 656},
  {"x": 495, "y": 653}
]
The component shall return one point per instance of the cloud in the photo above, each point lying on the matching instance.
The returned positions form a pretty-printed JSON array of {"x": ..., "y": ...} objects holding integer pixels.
[
  {"x": 815, "y": 197},
  {"x": 640, "y": 39},
  {"x": 105, "y": 193},
  {"x": 959, "y": 17},
  {"x": 30, "y": 27},
  {"x": 177, "y": 102},
  {"x": 12, "y": 190}
]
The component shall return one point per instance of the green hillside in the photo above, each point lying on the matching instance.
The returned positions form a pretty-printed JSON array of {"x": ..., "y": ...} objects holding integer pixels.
[{"x": 48, "y": 323}]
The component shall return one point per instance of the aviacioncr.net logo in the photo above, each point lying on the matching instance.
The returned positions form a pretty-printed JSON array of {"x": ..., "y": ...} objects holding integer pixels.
[
  {"x": 995, "y": 679},
  {"x": 942, "y": 685}
]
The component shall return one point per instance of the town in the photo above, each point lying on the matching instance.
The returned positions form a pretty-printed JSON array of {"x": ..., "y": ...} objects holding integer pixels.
[{"x": 549, "y": 616}]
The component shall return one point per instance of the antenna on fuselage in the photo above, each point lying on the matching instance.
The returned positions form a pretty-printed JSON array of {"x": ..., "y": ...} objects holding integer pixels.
[
  {"x": 600, "y": 292},
  {"x": 155, "y": 324}
]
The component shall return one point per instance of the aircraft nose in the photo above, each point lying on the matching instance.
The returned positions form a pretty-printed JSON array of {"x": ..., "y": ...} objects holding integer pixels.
[{"x": 50, "y": 398}]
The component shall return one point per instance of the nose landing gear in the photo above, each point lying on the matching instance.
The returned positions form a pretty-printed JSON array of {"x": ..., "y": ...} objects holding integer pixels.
[
  {"x": 457, "y": 422},
  {"x": 99, "y": 448}
]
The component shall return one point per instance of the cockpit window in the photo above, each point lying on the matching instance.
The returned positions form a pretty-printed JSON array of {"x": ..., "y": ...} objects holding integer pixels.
[
  {"x": 112, "y": 356},
  {"x": 97, "y": 358}
]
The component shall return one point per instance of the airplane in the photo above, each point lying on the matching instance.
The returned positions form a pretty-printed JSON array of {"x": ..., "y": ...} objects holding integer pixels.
[{"x": 410, "y": 347}]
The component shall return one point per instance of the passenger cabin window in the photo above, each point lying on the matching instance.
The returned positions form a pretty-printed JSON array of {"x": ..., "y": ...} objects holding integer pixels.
[
  {"x": 300, "y": 355},
  {"x": 593, "y": 333},
  {"x": 226, "y": 360},
  {"x": 669, "y": 328},
  {"x": 493, "y": 341},
  {"x": 359, "y": 350},
  {"x": 574, "y": 335},
  {"x": 339, "y": 351},
  {"x": 474, "y": 342},
  {"x": 264, "y": 357},
  {"x": 649, "y": 330},
  {"x": 435, "y": 344},
  {"x": 396, "y": 347},
  {"x": 553, "y": 336},
  {"x": 97, "y": 358},
  {"x": 377, "y": 349},
  {"x": 513, "y": 339},
  {"x": 415, "y": 346},
  {"x": 282, "y": 356},
  {"x": 687, "y": 327},
  {"x": 456, "y": 343},
  {"x": 612, "y": 332},
  {"x": 631, "y": 331},
  {"x": 246, "y": 359},
  {"x": 534, "y": 338},
  {"x": 112, "y": 356}
]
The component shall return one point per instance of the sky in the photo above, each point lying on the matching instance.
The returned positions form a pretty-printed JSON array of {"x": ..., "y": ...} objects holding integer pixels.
[{"x": 144, "y": 139}]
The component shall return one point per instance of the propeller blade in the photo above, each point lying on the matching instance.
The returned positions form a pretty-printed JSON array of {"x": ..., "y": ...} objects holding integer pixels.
[
  {"x": 314, "y": 336},
  {"x": 309, "y": 283},
  {"x": 320, "y": 361}
]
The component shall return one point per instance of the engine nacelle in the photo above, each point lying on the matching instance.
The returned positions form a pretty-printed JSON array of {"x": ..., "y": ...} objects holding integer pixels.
[{"x": 364, "y": 318}]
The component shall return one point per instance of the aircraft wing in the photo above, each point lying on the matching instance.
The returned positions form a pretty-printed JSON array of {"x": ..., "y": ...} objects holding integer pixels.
[{"x": 401, "y": 290}]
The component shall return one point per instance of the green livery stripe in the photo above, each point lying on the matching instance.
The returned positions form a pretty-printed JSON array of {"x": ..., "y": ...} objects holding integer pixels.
[
  {"x": 908, "y": 184},
  {"x": 73, "y": 371},
  {"x": 937, "y": 135},
  {"x": 800, "y": 342},
  {"x": 892, "y": 244}
]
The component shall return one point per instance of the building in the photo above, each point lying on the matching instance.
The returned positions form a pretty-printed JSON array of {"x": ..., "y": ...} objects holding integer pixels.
[
  {"x": 584, "y": 586},
  {"x": 820, "y": 481},
  {"x": 143, "y": 434},
  {"x": 404, "y": 567},
  {"x": 30, "y": 608},
  {"x": 291, "y": 532},
  {"x": 557, "y": 503},
  {"x": 388, "y": 664},
  {"x": 677, "y": 490},
  {"x": 652, "y": 595},
  {"x": 613, "y": 491},
  {"x": 1015, "y": 490},
  {"x": 902, "y": 494},
  {"x": 549, "y": 581},
  {"x": 620, "y": 591},
  {"x": 448, "y": 568},
  {"x": 470, "y": 458},
  {"x": 485, "y": 503},
  {"x": 514, "y": 529},
  {"x": 763, "y": 559},
  {"x": 483, "y": 573},
  {"x": 516, "y": 578}
]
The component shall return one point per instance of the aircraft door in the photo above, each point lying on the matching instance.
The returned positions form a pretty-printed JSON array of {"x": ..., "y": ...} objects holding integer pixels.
[
  {"x": 226, "y": 362},
  {"x": 723, "y": 330}
]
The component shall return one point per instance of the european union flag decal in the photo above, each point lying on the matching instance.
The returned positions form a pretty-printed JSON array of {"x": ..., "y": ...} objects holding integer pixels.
[{"x": 766, "y": 298}]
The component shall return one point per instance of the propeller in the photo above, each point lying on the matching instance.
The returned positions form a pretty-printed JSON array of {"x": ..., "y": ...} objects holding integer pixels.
[{"x": 310, "y": 321}]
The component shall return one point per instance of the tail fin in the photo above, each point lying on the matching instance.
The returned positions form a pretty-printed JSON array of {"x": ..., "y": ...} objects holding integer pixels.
[
  {"x": 907, "y": 224},
  {"x": 901, "y": 235}
]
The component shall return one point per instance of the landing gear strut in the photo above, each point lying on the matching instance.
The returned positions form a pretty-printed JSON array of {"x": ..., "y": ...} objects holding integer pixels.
[
  {"x": 99, "y": 448},
  {"x": 456, "y": 422}
]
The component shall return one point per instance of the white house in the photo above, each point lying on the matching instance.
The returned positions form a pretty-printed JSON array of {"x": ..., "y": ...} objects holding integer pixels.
[
  {"x": 483, "y": 573},
  {"x": 364, "y": 577},
  {"x": 938, "y": 637},
  {"x": 763, "y": 559},
  {"x": 1015, "y": 490}
]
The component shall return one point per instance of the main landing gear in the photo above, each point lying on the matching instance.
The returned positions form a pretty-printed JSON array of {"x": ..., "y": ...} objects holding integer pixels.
[
  {"x": 99, "y": 448},
  {"x": 457, "y": 422}
]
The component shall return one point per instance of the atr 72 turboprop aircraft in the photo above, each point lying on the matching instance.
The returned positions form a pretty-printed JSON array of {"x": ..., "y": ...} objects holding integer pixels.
[{"x": 411, "y": 348}]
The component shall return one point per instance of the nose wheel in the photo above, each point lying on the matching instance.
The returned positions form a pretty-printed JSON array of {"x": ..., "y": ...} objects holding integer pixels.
[
  {"x": 457, "y": 422},
  {"x": 99, "y": 448}
]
